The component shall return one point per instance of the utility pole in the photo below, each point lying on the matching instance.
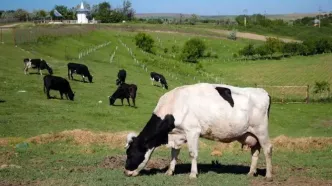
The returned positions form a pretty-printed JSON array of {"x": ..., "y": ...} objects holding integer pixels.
[
  {"x": 319, "y": 10},
  {"x": 245, "y": 11}
]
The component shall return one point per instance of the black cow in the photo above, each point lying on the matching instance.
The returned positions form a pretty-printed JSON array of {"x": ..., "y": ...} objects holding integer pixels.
[
  {"x": 122, "y": 74},
  {"x": 124, "y": 91},
  {"x": 39, "y": 64},
  {"x": 79, "y": 69},
  {"x": 57, "y": 83},
  {"x": 159, "y": 78}
]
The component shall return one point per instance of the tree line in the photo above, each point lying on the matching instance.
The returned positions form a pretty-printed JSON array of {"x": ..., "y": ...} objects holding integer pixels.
[
  {"x": 102, "y": 11},
  {"x": 274, "y": 46}
]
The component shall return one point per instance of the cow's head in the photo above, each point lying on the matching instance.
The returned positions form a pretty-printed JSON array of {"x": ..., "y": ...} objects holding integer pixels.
[
  {"x": 90, "y": 78},
  {"x": 71, "y": 95},
  {"x": 112, "y": 100},
  {"x": 137, "y": 155}
]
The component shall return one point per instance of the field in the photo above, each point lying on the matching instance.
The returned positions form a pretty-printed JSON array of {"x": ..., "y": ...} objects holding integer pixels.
[{"x": 59, "y": 142}]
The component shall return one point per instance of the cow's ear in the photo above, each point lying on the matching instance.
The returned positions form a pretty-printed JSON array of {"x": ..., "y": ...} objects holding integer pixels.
[{"x": 130, "y": 138}]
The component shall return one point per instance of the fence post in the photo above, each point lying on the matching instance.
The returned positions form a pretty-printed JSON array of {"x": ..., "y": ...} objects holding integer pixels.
[
  {"x": 14, "y": 38},
  {"x": 282, "y": 94},
  {"x": 1, "y": 36},
  {"x": 307, "y": 94}
]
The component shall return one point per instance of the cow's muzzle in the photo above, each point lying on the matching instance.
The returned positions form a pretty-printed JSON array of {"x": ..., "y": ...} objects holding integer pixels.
[{"x": 130, "y": 173}]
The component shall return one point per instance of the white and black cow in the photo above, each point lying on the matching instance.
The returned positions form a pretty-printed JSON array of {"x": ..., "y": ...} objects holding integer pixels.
[
  {"x": 214, "y": 111},
  {"x": 60, "y": 84},
  {"x": 159, "y": 78},
  {"x": 39, "y": 64},
  {"x": 124, "y": 91},
  {"x": 122, "y": 74},
  {"x": 76, "y": 68}
]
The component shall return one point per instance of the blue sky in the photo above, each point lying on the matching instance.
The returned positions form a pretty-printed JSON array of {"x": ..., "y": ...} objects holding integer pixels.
[{"x": 201, "y": 7}]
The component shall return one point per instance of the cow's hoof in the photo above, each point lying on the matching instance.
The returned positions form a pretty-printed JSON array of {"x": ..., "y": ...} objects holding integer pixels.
[
  {"x": 269, "y": 179},
  {"x": 193, "y": 176},
  {"x": 169, "y": 173},
  {"x": 251, "y": 174}
]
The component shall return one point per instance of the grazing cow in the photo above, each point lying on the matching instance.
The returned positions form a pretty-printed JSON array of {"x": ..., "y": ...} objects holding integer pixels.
[
  {"x": 57, "y": 83},
  {"x": 79, "y": 69},
  {"x": 214, "y": 111},
  {"x": 122, "y": 74},
  {"x": 39, "y": 64},
  {"x": 124, "y": 91},
  {"x": 159, "y": 78}
]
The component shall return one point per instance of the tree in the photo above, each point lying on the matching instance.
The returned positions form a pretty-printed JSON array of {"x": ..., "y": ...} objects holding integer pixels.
[
  {"x": 144, "y": 41},
  {"x": 21, "y": 14},
  {"x": 273, "y": 45},
  {"x": 321, "y": 87},
  {"x": 104, "y": 12},
  {"x": 127, "y": 10},
  {"x": 193, "y": 19},
  {"x": 193, "y": 50},
  {"x": 63, "y": 10}
]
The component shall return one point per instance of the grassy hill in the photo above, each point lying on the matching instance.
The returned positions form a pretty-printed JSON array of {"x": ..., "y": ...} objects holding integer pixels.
[{"x": 79, "y": 156}]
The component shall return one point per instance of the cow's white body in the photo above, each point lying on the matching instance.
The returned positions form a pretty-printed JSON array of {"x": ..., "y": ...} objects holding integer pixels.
[{"x": 200, "y": 111}]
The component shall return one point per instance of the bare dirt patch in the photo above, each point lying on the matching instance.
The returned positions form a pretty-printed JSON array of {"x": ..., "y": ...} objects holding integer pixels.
[
  {"x": 118, "y": 162},
  {"x": 83, "y": 137},
  {"x": 327, "y": 123},
  {"x": 294, "y": 181}
]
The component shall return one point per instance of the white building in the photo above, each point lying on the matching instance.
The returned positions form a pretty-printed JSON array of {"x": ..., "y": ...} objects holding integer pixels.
[{"x": 82, "y": 14}]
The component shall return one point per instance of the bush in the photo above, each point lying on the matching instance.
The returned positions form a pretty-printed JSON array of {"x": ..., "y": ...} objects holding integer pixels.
[
  {"x": 232, "y": 35},
  {"x": 175, "y": 49},
  {"x": 144, "y": 41},
  {"x": 261, "y": 50},
  {"x": 193, "y": 50},
  {"x": 321, "y": 87},
  {"x": 247, "y": 51},
  {"x": 165, "y": 50}
]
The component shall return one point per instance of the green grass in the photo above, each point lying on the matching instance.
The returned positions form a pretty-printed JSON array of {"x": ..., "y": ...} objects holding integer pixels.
[{"x": 24, "y": 115}]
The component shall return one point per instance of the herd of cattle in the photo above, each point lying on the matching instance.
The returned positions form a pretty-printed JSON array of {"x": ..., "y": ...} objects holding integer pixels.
[
  {"x": 124, "y": 91},
  {"x": 217, "y": 112}
]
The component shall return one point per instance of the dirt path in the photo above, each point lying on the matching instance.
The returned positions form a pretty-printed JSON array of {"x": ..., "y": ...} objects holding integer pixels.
[
  {"x": 9, "y": 26},
  {"x": 250, "y": 35}
]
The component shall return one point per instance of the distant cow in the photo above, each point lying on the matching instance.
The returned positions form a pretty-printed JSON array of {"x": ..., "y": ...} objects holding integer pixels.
[
  {"x": 124, "y": 91},
  {"x": 76, "y": 68},
  {"x": 122, "y": 74},
  {"x": 159, "y": 78},
  {"x": 39, "y": 64},
  {"x": 57, "y": 83}
]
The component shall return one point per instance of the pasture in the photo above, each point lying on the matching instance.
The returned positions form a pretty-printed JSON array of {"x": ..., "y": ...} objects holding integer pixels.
[{"x": 81, "y": 142}]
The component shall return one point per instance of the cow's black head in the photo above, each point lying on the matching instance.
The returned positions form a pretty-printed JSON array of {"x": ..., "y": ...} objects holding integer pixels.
[
  {"x": 112, "y": 100},
  {"x": 90, "y": 78},
  {"x": 71, "y": 96},
  {"x": 135, "y": 154}
]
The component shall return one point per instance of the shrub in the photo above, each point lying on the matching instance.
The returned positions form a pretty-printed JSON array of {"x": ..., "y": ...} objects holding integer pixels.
[
  {"x": 247, "y": 51},
  {"x": 175, "y": 49},
  {"x": 273, "y": 45},
  {"x": 165, "y": 50},
  {"x": 193, "y": 50},
  {"x": 232, "y": 35},
  {"x": 323, "y": 45},
  {"x": 144, "y": 41},
  {"x": 321, "y": 87},
  {"x": 261, "y": 50}
]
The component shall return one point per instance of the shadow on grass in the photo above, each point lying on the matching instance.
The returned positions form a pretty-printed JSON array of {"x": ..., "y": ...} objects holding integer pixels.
[
  {"x": 2, "y": 101},
  {"x": 80, "y": 81},
  {"x": 215, "y": 166},
  {"x": 135, "y": 107}
]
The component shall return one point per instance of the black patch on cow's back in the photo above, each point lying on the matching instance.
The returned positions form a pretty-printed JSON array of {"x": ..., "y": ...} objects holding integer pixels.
[{"x": 226, "y": 94}]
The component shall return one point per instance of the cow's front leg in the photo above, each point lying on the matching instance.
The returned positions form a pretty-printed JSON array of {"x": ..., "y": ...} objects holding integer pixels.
[
  {"x": 128, "y": 101},
  {"x": 40, "y": 72},
  {"x": 25, "y": 70},
  {"x": 175, "y": 153},
  {"x": 192, "y": 138},
  {"x": 83, "y": 79},
  {"x": 48, "y": 93},
  {"x": 61, "y": 95},
  {"x": 122, "y": 102},
  {"x": 66, "y": 96}
]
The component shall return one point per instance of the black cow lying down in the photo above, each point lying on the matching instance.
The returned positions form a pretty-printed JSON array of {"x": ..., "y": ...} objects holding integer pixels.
[
  {"x": 57, "y": 83},
  {"x": 39, "y": 64},
  {"x": 122, "y": 74},
  {"x": 159, "y": 78},
  {"x": 124, "y": 91},
  {"x": 76, "y": 68}
]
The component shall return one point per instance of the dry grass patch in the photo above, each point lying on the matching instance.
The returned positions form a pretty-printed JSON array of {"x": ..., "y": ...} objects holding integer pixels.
[{"x": 294, "y": 181}]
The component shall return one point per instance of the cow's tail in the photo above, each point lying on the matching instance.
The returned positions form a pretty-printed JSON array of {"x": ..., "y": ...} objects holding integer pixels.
[{"x": 269, "y": 107}]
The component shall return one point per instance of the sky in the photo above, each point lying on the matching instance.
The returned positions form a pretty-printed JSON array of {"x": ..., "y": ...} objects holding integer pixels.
[{"x": 200, "y": 7}]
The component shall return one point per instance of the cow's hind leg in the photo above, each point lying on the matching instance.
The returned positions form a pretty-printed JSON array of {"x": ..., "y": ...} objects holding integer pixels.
[
  {"x": 255, "y": 150},
  {"x": 128, "y": 101},
  {"x": 174, "y": 153},
  {"x": 192, "y": 139},
  {"x": 266, "y": 145},
  {"x": 61, "y": 95}
]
